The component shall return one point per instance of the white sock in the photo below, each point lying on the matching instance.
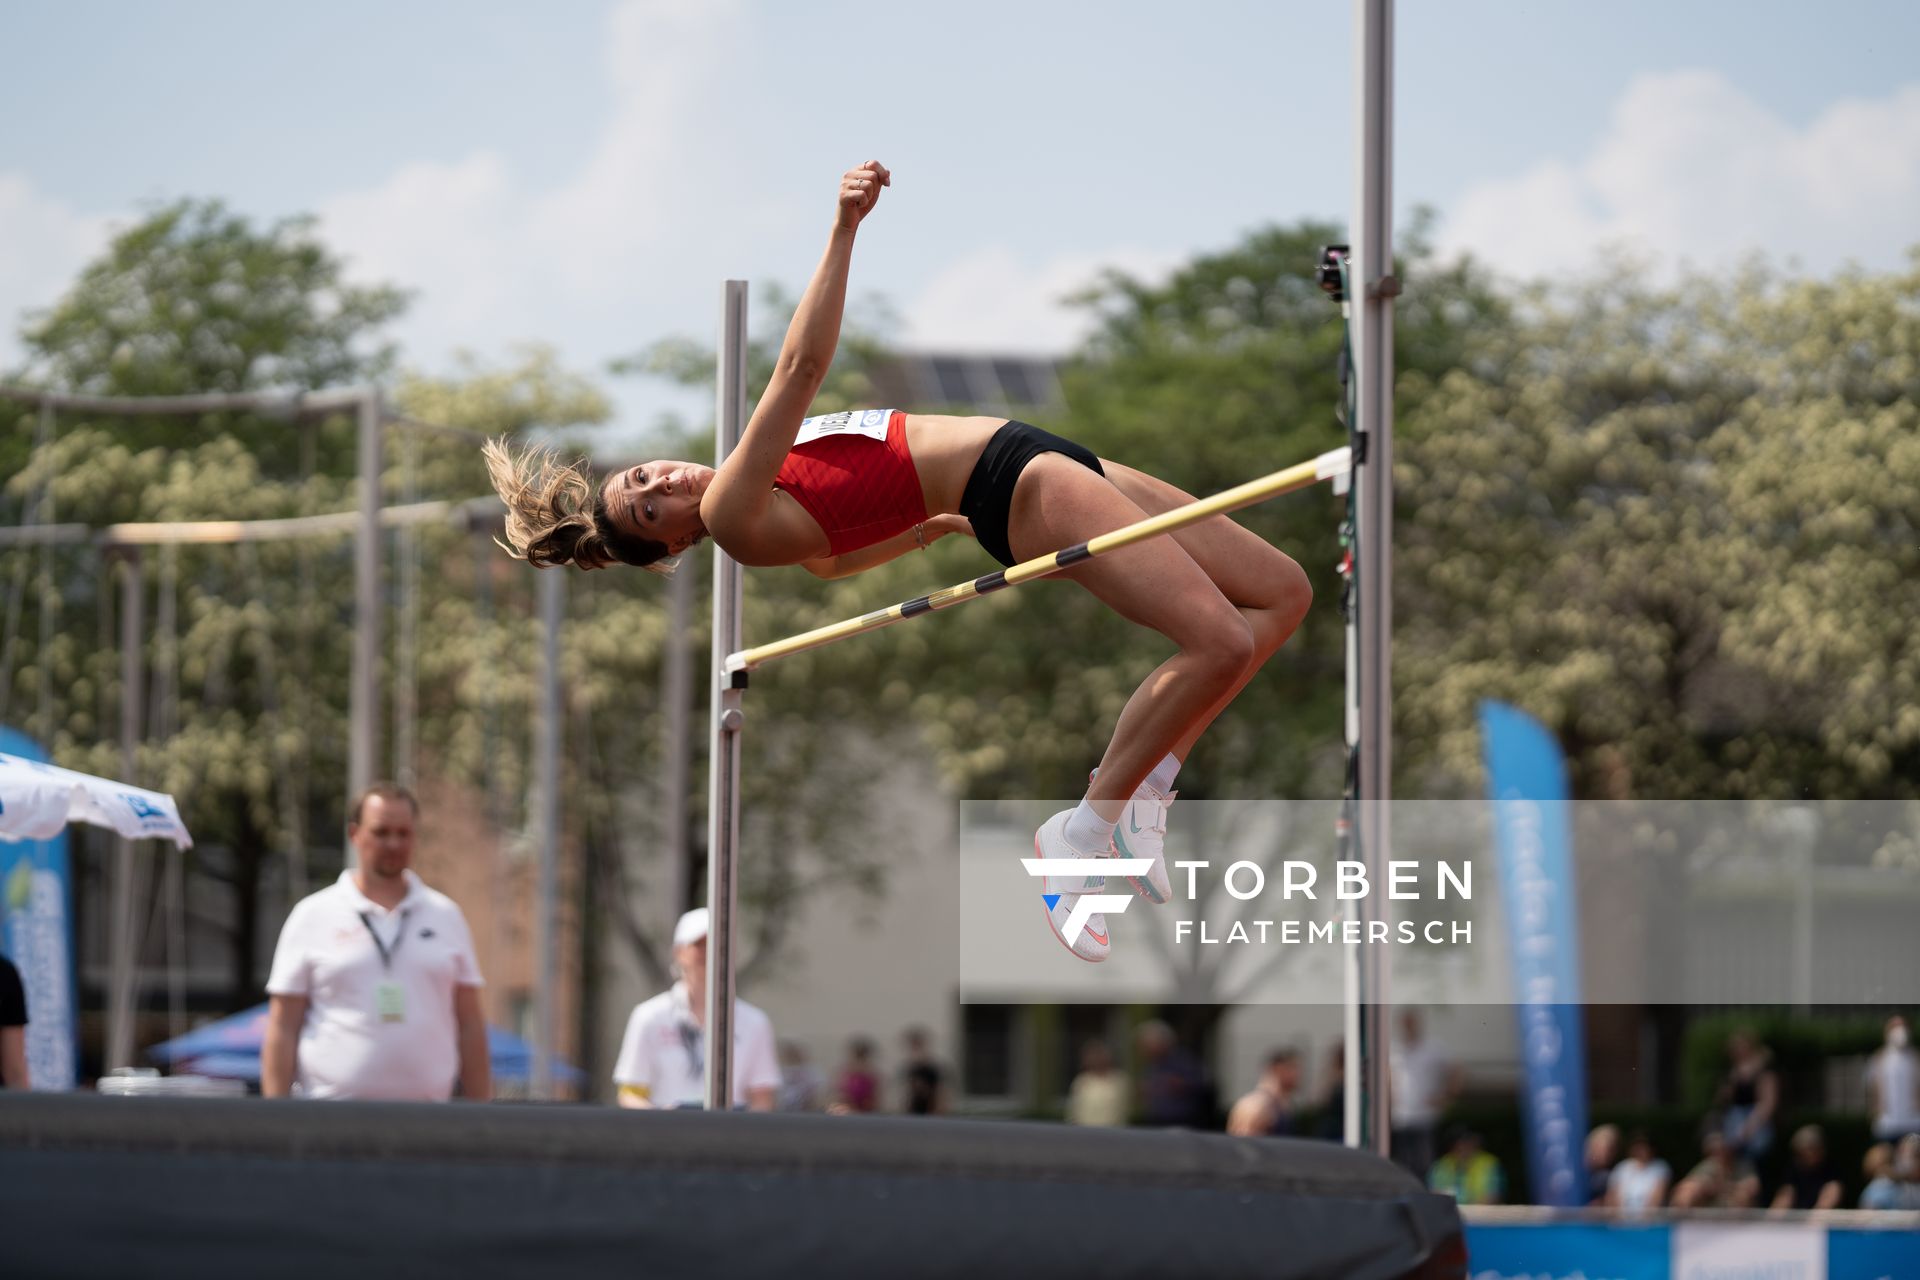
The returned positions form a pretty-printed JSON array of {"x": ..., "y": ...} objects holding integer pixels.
[
  {"x": 1087, "y": 831},
  {"x": 1164, "y": 773}
]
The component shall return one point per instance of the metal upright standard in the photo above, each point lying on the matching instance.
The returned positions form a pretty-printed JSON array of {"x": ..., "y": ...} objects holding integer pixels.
[
  {"x": 364, "y": 699},
  {"x": 1373, "y": 287},
  {"x": 723, "y": 798},
  {"x": 121, "y": 959}
]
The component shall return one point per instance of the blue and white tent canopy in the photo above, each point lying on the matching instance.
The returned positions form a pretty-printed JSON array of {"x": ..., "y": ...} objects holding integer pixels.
[{"x": 38, "y": 800}]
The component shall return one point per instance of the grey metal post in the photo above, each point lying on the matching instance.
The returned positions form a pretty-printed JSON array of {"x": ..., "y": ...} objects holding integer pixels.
[
  {"x": 364, "y": 702},
  {"x": 1374, "y": 287},
  {"x": 723, "y": 796},
  {"x": 49, "y": 584},
  {"x": 678, "y": 694},
  {"x": 37, "y": 519},
  {"x": 132, "y": 696},
  {"x": 546, "y": 924},
  {"x": 406, "y": 666}
]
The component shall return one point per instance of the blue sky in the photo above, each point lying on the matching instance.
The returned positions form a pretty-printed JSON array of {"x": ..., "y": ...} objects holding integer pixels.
[{"x": 584, "y": 173}]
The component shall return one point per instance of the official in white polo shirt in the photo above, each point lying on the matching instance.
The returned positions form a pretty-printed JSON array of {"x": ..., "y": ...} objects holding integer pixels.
[
  {"x": 375, "y": 987},
  {"x": 663, "y": 1056}
]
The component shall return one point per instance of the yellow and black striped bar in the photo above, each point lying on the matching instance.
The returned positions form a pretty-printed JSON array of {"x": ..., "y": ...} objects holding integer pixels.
[{"x": 1325, "y": 467}]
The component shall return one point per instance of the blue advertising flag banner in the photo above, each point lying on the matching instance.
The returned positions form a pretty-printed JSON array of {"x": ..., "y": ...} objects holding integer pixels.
[
  {"x": 36, "y": 933},
  {"x": 1527, "y": 782},
  {"x": 1568, "y": 1251}
]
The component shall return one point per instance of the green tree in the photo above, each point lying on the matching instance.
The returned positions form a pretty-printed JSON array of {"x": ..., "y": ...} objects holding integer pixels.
[
  {"x": 247, "y": 693},
  {"x": 1675, "y": 523},
  {"x": 197, "y": 299}
]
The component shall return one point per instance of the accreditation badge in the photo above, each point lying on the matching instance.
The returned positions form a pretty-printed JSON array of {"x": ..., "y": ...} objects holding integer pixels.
[{"x": 390, "y": 1002}]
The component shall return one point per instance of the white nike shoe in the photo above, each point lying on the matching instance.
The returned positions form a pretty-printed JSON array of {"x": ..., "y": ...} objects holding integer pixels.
[
  {"x": 1085, "y": 937},
  {"x": 1142, "y": 833}
]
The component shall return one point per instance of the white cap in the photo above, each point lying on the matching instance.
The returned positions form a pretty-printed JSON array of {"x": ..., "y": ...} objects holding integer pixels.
[{"x": 692, "y": 927}]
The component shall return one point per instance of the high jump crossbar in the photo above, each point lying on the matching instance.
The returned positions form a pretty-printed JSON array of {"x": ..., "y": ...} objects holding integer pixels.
[{"x": 1333, "y": 465}]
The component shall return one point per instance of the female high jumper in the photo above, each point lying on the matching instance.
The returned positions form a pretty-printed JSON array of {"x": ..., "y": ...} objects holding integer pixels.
[{"x": 842, "y": 493}]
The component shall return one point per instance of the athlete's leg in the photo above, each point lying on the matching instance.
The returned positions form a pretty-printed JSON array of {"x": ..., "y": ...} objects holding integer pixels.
[
  {"x": 1268, "y": 587},
  {"x": 1157, "y": 584}
]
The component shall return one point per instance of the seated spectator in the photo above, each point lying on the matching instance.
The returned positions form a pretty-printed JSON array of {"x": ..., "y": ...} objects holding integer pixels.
[
  {"x": 1332, "y": 1124},
  {"x": 923, "y": 1078},
  {"x": 1722, "y": 1179},
  {"x": 800, "y": 1085},
  {"x": 1603, "y": 1152},
  {"x": 1639, "y": 1182},
  {"x": 1898, "y": 1184},
  {"x": 1881, "y": 1192},
  {"x": 1268, "y": 1109},
  {"x": 1174, "y": 1088},
  {"x": 1811, "y": 1182},
  {"x": 857, "y": 1091},
  {"x": 1098, "y": 1095},
  {"x": 1467, "y": 1173}
]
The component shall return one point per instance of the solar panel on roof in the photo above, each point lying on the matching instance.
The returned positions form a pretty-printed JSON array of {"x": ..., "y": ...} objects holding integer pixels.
[{"x": 951, "y": 375}]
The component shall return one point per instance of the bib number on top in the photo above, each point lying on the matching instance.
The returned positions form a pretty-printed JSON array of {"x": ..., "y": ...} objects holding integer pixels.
[{"x": 871, "y": 423}]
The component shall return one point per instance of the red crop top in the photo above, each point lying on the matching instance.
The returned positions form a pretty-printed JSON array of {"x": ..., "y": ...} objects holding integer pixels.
[{"x": 862, "y": 489}]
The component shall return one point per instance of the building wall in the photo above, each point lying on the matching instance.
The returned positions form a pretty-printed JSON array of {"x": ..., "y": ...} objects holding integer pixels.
[{"x": 495, "y": 880}]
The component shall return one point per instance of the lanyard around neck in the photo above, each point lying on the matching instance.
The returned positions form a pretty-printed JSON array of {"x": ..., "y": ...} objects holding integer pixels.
[{"x": 387, "y": 953}]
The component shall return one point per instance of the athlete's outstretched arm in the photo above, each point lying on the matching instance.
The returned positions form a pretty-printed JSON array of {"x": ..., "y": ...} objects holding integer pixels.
[{"x": 740, "y": 491}]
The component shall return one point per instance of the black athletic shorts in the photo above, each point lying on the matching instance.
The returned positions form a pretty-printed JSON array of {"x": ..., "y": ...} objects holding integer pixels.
[{"x": 988, "y": 500}]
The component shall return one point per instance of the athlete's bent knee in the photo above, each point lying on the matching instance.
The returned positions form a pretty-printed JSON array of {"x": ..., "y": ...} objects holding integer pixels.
[{"x": 1228, "y": 648}]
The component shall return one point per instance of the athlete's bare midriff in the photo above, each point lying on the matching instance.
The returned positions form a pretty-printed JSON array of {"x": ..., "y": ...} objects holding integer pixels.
[{"x": 945, "y": 450}]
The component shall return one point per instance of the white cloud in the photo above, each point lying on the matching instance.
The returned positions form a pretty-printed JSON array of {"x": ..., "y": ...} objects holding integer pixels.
[
  {"x": 1691, "y": 169},
  {"x": 597, "y": 263},
  {"x": 654, "y": 172},
  {"x": 440, "y": 229},
  {"x": 992, "y": 300},
  {"x": 46, "y": 245}
]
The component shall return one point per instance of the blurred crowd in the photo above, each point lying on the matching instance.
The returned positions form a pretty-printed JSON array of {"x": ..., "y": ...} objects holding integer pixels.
[
  {"x": 1626, "y": 1170},
  {"x": 1730, "y": 1170},
  {"x": 1736, "y": 1139},
  {"x": 859, "y": 1086}
]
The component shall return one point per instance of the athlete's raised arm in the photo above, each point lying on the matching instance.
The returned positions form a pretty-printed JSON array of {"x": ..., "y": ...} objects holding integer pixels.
[{"x": 732, "y": 505}]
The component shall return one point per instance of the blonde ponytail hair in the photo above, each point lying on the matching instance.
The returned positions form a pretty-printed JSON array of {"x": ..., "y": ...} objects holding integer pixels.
[{"x": 555, "y": 515}]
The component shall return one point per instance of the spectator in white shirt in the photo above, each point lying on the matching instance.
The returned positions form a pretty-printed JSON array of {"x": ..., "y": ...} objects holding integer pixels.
[
  {"x": 1639, "y": 1182},
  {"x": 663, "y": 1055},
  {"x": 375, "y": 988},
  {"x": 1421, "y": 1084},
  {"x": 1893, "y": 1084}
]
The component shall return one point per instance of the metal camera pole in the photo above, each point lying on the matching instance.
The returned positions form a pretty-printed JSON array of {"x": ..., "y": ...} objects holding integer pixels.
[
  {"x": 1366, "y": 569},
  {"x": 1373, "y": 288},
  {"x": 723, "y": 797}
]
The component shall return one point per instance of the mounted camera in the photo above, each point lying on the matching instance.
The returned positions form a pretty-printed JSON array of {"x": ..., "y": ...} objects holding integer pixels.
[{"x": 1328, "y": 273}]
